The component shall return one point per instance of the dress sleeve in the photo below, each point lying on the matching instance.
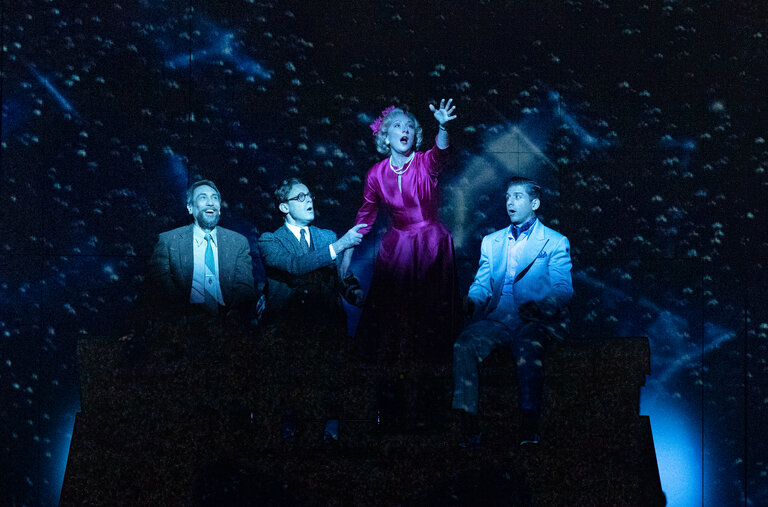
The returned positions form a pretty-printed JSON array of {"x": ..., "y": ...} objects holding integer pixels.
[
  {"x": 435, "y": 159},
  {"x": 371, "y": 198}
]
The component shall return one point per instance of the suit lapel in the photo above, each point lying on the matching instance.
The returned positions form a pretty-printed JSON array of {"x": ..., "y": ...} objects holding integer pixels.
[
  {"x": 288, "y": 239},
  {"x": 312, "y": 237},
  {"x": 320, "y": 238},
  {"x": 226, "y": 261},
  {"x": 186, "y": 258},
  {"x": 499, "y": 254}
]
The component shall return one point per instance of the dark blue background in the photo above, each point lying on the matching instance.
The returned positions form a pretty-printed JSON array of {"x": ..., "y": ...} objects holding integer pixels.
[{"x": 645, "y": 121}]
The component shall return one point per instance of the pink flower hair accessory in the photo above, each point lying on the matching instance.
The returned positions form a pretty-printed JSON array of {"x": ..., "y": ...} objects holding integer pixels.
[{"x": 376, "y": 125}]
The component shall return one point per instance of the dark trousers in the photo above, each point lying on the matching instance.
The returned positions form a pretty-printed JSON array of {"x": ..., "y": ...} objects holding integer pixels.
[{"x": 478, "y": 340}]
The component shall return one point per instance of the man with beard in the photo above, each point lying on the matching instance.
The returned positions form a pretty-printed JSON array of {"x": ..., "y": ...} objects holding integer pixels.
[{"x": 202, "y": 268}]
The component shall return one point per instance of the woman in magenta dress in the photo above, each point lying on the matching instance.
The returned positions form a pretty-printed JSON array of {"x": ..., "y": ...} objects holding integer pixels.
[{"x": 412, "y": 306}]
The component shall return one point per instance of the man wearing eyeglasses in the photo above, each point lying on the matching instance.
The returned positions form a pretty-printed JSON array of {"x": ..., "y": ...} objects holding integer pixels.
[
  {"x": 304, "y": 289},
  {"x": 300, "y": 261}
]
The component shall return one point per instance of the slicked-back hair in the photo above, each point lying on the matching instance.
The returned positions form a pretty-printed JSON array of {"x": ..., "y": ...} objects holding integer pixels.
[
  {"x": 533, "y": 188},
  {"x": 201, "y": 183},
  {"x": 284, "y": 190},
  {"x": 381, "y": 138}
]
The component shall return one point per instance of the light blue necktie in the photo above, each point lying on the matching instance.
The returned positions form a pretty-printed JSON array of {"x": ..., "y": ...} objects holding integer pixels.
[{"x": 210, "y": 276}]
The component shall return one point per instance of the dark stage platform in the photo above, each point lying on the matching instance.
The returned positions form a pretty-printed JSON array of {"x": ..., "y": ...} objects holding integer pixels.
[{"x": 189, "y": 418}]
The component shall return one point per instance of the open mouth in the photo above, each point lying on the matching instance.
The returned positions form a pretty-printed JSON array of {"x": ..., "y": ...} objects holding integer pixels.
[{"x": 404, "y": 139}]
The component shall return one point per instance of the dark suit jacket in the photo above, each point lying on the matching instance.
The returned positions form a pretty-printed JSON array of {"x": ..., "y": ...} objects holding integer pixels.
[
  {"x": 307, "y": 285},
  {"x": 173, "y": 262}
]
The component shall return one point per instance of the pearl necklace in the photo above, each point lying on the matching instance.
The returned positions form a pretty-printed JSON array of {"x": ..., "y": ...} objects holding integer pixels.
[{"x": 399, "y": 172}]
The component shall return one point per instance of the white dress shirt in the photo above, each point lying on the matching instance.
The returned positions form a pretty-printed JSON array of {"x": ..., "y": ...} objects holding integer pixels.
[
  {"x": 296, "y": 230},
  {"x": 506, "y": 311}
]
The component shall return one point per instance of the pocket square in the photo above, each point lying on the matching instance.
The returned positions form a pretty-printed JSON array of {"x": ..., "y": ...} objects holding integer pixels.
[{"x": 542, "y": 254}]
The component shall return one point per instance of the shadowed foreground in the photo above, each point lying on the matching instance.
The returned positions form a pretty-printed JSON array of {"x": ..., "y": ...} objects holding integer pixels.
[{"x": 190, "y": 417}]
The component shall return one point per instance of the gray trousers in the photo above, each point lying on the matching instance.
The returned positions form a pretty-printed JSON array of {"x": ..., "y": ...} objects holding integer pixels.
[{"x": 478, "y": 340}]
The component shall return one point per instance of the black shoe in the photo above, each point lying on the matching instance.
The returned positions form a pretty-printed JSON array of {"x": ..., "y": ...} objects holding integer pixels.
[
  {"x": 331, "y": 431},
  {"x": 531, "y": 438},
  {"x": 529, "y": 428},
  {"x": 390, "y": 409},
  {"x": 468, "y": 428},
  {"x": 387, "y": 424},
  {"x": 241, "y": 418},
  {"x": 288, "y": 426},
  {"x": 471, "y": 441}
]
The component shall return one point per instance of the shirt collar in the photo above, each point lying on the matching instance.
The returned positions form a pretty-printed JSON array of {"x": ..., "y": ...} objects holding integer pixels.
[
  {"x": 296, "y": 230},
  {"x": 515, "y": 231},
  {"x": 199, "y": 235}
]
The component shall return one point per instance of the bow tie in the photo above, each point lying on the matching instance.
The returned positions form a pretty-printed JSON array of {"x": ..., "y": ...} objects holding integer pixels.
[{"x": 517, "y": 231}]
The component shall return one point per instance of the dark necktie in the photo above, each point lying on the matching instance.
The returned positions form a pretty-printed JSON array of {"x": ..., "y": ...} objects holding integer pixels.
[
  {"x": 517, "y": 231},
  {"x": 303, "y": 242},
  {"x": 210, "y": 275}
]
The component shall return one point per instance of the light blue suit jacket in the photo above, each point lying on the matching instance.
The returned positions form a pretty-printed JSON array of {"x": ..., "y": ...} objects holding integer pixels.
[{"x": 544, "y": 270}]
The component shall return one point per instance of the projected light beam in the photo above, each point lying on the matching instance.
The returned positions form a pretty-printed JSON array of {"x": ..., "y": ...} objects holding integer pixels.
[
  {"x": 665, "y": 329},
  {"x": 63, "y": 102},
  {"x": 222, "y": 46},
  {"x": 676, "y": 434},
  {"x": 515, "y": 151},
  {"x": 677, "y": 441},
  {"x": 509, "y": 153},
  {"x": 568, "y": 119}
]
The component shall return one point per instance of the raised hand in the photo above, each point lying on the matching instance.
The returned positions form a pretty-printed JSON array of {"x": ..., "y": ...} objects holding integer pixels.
[{"x": 444, "y": 113}]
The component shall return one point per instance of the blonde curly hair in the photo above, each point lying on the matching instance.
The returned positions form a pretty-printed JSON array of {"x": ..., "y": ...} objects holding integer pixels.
[{"x": 381, "y": 138}]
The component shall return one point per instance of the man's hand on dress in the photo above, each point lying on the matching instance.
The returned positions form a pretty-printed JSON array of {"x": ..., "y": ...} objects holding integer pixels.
[{"x": 350, "y": 239}]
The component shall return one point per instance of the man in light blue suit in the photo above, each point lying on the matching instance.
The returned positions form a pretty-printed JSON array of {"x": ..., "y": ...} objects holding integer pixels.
[{"x": 519, "y": 298}]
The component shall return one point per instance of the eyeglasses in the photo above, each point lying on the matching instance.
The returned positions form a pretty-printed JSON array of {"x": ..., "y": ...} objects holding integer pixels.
[{"x": 301, "y": 197}]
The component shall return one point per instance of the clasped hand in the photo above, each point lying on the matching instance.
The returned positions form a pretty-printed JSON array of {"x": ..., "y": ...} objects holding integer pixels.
[{"x": 352, "y": 238}]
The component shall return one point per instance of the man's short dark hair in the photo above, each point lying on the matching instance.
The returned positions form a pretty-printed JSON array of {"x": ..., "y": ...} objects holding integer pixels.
[
  {"x": 284, "y": 189},
  {"x": 533, "y": 188},
  {"x": 201, "y": 183}
]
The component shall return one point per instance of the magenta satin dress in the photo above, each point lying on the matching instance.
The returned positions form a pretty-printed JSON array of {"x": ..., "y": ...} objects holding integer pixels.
[{"x": 412, "y": 307}]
